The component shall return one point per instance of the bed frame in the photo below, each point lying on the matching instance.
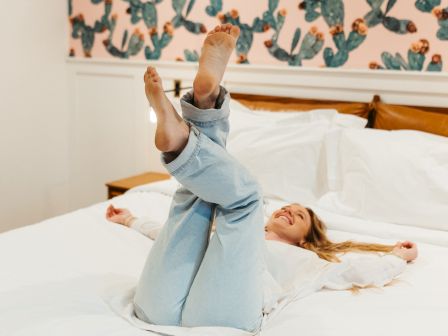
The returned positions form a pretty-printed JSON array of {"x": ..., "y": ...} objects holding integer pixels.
[{"x": 380, "y": 115}]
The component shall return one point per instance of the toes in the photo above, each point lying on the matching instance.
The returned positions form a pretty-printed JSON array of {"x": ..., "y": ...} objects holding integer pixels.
[
  {"x": 235, "y": 31},
  {"x": 151, "y": 74},
  {"x": 229, "y": 29},
  {"x": 214, "y": 30}
]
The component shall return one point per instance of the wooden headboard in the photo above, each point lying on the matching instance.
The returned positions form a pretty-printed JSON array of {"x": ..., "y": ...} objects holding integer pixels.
[
  {"x": 272, "y": 103},
  {"x": 380, "y": 115}
]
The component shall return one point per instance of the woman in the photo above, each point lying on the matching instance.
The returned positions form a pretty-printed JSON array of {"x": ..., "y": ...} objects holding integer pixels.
[{"x": 189, "y": 280}]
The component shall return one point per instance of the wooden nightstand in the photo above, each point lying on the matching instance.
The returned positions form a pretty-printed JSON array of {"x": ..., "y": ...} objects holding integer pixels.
[{"x": 119, "y": 187}]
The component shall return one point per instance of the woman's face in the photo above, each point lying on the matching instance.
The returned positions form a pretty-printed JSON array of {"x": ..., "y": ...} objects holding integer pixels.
[{"x": 291, "y": 224}]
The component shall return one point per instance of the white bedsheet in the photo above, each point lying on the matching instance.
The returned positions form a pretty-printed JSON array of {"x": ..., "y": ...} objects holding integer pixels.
[{"x": 60, "y": 277}]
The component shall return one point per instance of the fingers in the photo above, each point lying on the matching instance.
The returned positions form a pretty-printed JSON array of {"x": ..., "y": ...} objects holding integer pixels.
[
  {"x": 406, "y": 244},
  {"x": 109, "y": 212}
]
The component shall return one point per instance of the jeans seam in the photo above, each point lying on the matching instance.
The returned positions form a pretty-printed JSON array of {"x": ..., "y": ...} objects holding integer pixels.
[
  {"x": 208, "y": 123},
  {"x": 193, "y": 155}
]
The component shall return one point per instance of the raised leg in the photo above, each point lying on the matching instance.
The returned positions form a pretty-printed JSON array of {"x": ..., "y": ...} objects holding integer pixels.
[
  {"x": 174, "y": 260},
  {"x": 230, "y": 272},
  {"x": 228, "y": 288}
]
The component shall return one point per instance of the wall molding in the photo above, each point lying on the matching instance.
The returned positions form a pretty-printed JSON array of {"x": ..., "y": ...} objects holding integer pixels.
[{"x": 394, "y": 87}]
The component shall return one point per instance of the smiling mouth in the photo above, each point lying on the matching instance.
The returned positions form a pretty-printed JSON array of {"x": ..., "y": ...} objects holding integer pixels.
[{"x": 286, "y": 219}]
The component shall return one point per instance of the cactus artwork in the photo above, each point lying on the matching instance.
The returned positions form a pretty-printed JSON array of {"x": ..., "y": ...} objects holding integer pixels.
[
  {"x": 441, "y": 14},
  {"x": 415, "y": 62},
  {"x": 378, "y": 16},
  {"x": 333, "y": 13},
  {"x": 87, "y": 33},
  {"x": 139, "y": 10},
  {"x": 214, "y": 8},
  {"x": 191, "y": 56},
  {"x": 292, "y": 35},
  {"x": 147, "y": 12},
  {"x": 133, "y": 45},
  {"x": 311, "y": 45},
  {"x": 427, "y": 5},
  {"x": 180, "y": 20}
]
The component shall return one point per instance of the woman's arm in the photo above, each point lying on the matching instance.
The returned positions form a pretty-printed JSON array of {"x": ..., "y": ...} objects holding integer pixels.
[
  {"x": 144, "y": 225},
  {"x": 370, "y": 271},
  {"x": 364, "y": 272}
]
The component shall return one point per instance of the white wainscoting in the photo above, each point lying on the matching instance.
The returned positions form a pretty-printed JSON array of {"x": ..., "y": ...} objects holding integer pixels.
[{"x": 111, "y": 136}]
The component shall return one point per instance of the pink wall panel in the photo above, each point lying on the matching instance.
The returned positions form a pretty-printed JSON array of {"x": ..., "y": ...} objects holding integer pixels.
[{"x": 378, "y": 39}]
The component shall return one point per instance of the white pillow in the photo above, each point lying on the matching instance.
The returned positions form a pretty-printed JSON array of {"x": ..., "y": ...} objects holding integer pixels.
[
  {"x": 392, "y": 176},
  {"x": 260, "y": 140},
  {"x": 285, "y": 156}
]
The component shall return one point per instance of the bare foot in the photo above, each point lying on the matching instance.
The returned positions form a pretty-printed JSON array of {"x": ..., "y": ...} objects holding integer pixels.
[
  {"x": 172, "y": 132},
  {"x": 215, "y": 54}
]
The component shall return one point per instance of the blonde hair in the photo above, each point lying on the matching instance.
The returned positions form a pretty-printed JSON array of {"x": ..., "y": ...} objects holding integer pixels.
[{"x": 317, "y": 241}]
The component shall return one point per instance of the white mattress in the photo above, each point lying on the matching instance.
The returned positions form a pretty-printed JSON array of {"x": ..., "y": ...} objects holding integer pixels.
[{"x": 57, "y": 276}]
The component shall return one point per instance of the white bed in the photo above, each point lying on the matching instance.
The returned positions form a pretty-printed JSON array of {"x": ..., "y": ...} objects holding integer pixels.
[
  {"x": 61, "y": 277},
  {"x": 74, "y": 274}
]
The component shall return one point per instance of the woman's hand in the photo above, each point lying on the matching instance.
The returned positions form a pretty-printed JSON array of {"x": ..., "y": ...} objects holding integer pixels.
[
  {"x": 406, "y": 250},
  {"x": 119, "y": 215}
]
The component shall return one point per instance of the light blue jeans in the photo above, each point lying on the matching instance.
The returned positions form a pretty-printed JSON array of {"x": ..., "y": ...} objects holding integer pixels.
[{"x": 188, "y": 280}]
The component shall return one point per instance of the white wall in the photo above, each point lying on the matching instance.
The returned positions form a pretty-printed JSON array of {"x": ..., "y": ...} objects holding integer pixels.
[
  {"x": 33, "y": 111},
  {"x": 110, "y": 133}
]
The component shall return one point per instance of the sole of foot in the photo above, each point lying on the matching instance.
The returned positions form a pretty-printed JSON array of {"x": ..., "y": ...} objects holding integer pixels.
[{"x": 218, "y": 46}]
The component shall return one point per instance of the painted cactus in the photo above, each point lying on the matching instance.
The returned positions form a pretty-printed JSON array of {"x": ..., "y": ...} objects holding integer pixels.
[
  {"x": 332, "y": 12},
  {"x": 415, "y": 62},
  {"x": 129, "y": 47},
  {"x": 133, "y": 46},
  {"x": 159, "y": 42},
  {"x": 442, "y": 17},
  {"x": 179, "y": 20},
  {"x": 427, "y": 5},
  {"x": 311, "y": 45},
  {"x": 378, "y": 16},
  {"x": 191, "y": 56},
  {"x": 145, "y": 11},
  {"x": 245, "y": 40},
  {"x": 214, "y": 8},
  {"x": 85, "y": 32},
  {"x": 441, "y": 14},
  {"x": 138, "y": 10}
]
